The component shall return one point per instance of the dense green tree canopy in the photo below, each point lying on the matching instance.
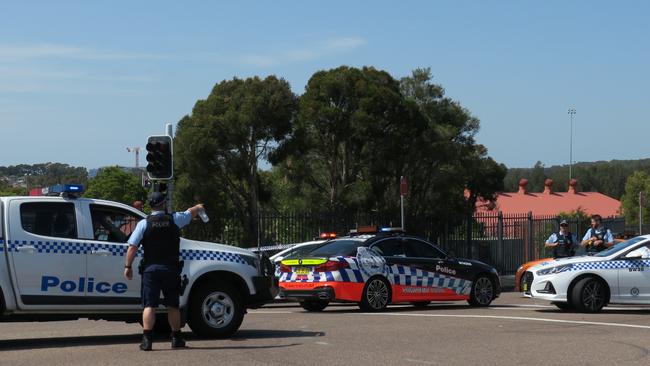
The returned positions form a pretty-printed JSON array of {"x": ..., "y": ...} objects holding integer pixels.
[
  {"x": 637, "y": 182},
  {"x": 219, "y": 146},
  {"x": 116, "y": 184}
]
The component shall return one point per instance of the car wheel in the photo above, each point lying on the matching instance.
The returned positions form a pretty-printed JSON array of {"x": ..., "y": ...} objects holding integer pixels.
[
  {"x": 420, "y": 304},
  {"x": 482, "y": 292},
  {"x": 589, "y": 295},
  {"x": 216, "y": 311},
  {"x": 376, "y": 295},
  {"x": 563, "y": 305},
  {"x": 522, "y": 282},
  {"x": 314, "y": 305}
]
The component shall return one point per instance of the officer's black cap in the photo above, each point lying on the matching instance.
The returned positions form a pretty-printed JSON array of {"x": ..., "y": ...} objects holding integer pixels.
[{"x": 156, "y": 198}]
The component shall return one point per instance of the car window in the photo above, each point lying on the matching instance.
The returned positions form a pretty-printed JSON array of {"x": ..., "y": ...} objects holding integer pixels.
[
  {"x": 49, "y": 219},
  {"x": 420, "y": 249},
  {"x": 112, "y": 224},
  {"x": 337, "y": 248},
  {"x": 643, "y": 252},
  {"x": 389, "y": 248},
  {"x": 300, "y": 251}
]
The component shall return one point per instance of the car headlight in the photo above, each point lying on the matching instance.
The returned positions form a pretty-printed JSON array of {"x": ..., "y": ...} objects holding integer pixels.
[{"x": 554, "y": 270}]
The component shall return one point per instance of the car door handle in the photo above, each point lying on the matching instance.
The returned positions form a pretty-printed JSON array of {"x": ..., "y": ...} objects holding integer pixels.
[
  {"x": 26, "y": 248},
  {"x": 100, "y": 252}
]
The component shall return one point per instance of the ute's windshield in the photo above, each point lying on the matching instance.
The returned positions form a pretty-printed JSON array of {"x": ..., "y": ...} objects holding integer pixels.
[
  {"x": 620, "y": 246},
  {"x": 337, "y": 248}
]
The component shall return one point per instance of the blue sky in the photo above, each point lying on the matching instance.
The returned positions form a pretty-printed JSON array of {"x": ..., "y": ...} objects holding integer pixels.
[{"x": 80, "y": 81}]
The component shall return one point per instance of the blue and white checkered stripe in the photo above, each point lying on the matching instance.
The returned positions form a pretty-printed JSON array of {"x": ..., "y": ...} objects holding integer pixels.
[
  {"x": 352, "y": 274},
  {"x": 409, "y": 276},
  {"x": 211, "y": 255},
  {"x": 2, "y": 245},
  {"x": 63, "y": 247},
  {"x": 397, "y": 274},
  {"x": 622, "y": 264}
]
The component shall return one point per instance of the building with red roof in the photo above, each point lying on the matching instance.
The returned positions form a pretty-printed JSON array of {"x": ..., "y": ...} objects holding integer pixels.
[{"x": 550, "y": 202}]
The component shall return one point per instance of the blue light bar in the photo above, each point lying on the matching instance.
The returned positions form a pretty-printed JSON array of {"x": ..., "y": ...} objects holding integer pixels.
[{"x": 58, "y": 189}]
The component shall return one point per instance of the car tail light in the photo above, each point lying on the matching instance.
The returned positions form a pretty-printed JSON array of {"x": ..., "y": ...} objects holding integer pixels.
[
  {"x": 285, "y": 268},
  {"x": 331, "y": 266}
]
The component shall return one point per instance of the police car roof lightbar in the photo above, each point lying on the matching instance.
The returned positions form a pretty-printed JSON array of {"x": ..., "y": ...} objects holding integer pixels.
[
  {"x": 327, "y": 235},
  {"x": 63, "y": 190}
]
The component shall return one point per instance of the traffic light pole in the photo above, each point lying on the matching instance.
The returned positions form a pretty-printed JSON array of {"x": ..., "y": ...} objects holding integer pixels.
[{"x": 170, "y": 183}]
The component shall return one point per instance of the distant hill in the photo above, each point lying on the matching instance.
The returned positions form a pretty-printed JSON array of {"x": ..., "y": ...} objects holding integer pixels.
[{"x": 606, "y": 177}]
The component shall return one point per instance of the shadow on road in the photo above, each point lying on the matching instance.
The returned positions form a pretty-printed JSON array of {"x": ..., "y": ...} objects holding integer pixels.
[{"x": 60, "y": 342}]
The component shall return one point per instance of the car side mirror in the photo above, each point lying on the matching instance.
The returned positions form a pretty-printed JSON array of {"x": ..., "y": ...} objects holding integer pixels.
[{"x": 633, "y": 256}]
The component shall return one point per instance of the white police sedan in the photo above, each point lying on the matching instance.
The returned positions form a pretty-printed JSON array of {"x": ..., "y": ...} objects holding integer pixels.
[{"x": 618, "y": 275}]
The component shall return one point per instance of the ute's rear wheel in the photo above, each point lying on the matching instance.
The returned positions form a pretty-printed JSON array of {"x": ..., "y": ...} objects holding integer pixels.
[
  {"x": 216, "y": 311},
  {"x": 589, "y": 295},
  {"x": 482, "y": 292},
  {"x": 314, "y": 305},
  {"x": 376, "y": 295}
]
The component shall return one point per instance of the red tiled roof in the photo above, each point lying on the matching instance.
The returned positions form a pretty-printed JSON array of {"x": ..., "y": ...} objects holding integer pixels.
[{"x": 552, "y": 203}]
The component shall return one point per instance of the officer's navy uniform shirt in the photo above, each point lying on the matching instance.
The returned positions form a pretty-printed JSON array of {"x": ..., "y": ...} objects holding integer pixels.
[{"x": 181, "y": 219}]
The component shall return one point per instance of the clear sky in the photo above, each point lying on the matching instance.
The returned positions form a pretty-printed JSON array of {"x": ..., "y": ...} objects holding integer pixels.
[{"x": 80, "y": 81}]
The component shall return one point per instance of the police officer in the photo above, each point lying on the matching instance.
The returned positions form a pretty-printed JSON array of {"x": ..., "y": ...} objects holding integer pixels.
[
  {"x": 598, "y": 237},
  {"x": 563, "y": 242},
  {"x": 159, "y": 235}
]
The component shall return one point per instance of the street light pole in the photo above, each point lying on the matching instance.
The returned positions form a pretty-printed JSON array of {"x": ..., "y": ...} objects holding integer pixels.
[{"x": 572, "y": 112}]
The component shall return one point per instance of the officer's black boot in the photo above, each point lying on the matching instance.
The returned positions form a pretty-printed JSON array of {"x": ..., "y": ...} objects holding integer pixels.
[
  {"x": 177, "y": 340},
  {"x": 147, "y": 340}
]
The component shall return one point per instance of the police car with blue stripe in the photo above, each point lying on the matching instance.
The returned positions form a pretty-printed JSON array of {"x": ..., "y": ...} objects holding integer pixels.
[
  {"x": 375, "y": 268},
  {"x": 63, "y": 258},
  {"x": 618, "y": 275}
]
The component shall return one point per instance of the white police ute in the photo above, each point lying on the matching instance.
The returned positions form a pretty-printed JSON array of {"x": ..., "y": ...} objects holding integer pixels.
[
  {"x": 63, "y": 258},
  {"x": 618, "y": 275}
]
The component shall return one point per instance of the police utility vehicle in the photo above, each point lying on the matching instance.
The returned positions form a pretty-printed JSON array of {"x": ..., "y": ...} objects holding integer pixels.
[{"x": 62, "y": 258}]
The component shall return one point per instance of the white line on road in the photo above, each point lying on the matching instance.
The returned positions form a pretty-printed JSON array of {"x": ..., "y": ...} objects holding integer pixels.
[
  {"x": 322, "y": 343},
  {"x": 420, "y": 361},
  {"x": 272, "y": 312},
  {"x": 514, "y": 318}
]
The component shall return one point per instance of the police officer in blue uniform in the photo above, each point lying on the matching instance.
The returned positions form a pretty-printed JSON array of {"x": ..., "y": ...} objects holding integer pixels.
[
  {"x": 563, "y": 242},
  {"x": 159, "y": 235},
  {"x": 598, "y": 237}
]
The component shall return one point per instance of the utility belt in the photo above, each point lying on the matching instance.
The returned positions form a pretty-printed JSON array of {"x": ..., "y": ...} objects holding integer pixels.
[{"x": 179, "y": 264}]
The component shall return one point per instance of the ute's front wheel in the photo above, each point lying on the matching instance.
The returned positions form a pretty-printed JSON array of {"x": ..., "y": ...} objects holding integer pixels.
[{"x": 216, "y": 311}]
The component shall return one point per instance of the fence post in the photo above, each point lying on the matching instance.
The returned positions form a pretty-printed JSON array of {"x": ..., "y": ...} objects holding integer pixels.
[
  {"x": 468, "y": 237},
  {"x": 531, "y": 245},
  {"x": 500, "y": 258}
]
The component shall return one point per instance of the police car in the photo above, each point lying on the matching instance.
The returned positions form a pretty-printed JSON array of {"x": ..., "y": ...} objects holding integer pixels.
[
  {"x": 63, "y": 258},
  {"x": 374, "y": 269},
  {"x": 618, "y": 275}
]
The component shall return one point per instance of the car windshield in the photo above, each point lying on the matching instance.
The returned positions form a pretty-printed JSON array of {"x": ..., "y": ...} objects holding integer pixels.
[
  {"x": 618, "y": 247},
  {"x": 337, "y": 248},
  {"x": 302, "y": 250}
]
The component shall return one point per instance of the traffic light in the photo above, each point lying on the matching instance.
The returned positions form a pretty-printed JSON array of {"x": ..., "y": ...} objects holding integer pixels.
[{"x": 160, "y": 157}]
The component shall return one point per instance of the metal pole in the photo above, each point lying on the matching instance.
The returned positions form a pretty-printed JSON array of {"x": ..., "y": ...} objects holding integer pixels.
[
  {"x": 641, "y": 197},
  {"x": 572, "y": 112},
  {"x": 170, "y": 183},
  {"x": 401, "y": 198}
]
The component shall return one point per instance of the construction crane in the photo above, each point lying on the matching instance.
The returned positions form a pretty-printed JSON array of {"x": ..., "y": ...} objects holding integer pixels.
[{"x": 136, "y": 150}]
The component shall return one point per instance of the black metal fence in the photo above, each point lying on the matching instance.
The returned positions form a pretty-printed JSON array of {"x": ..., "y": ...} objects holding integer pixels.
[{"x": 504, "y": 241}]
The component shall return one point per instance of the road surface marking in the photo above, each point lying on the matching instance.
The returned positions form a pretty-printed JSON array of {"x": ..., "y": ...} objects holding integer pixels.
[{"x": 581, "y": 322}]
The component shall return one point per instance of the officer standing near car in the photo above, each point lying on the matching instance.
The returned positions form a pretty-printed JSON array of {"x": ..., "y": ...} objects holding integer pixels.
[
  {"x": 598, "y": 237},
  {"x": 563, "y": 242},
  {"x": 159, "y": 235}
]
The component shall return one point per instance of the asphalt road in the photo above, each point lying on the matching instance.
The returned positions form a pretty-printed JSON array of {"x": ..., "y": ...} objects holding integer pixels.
[{"x": 514, "y": 331}]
